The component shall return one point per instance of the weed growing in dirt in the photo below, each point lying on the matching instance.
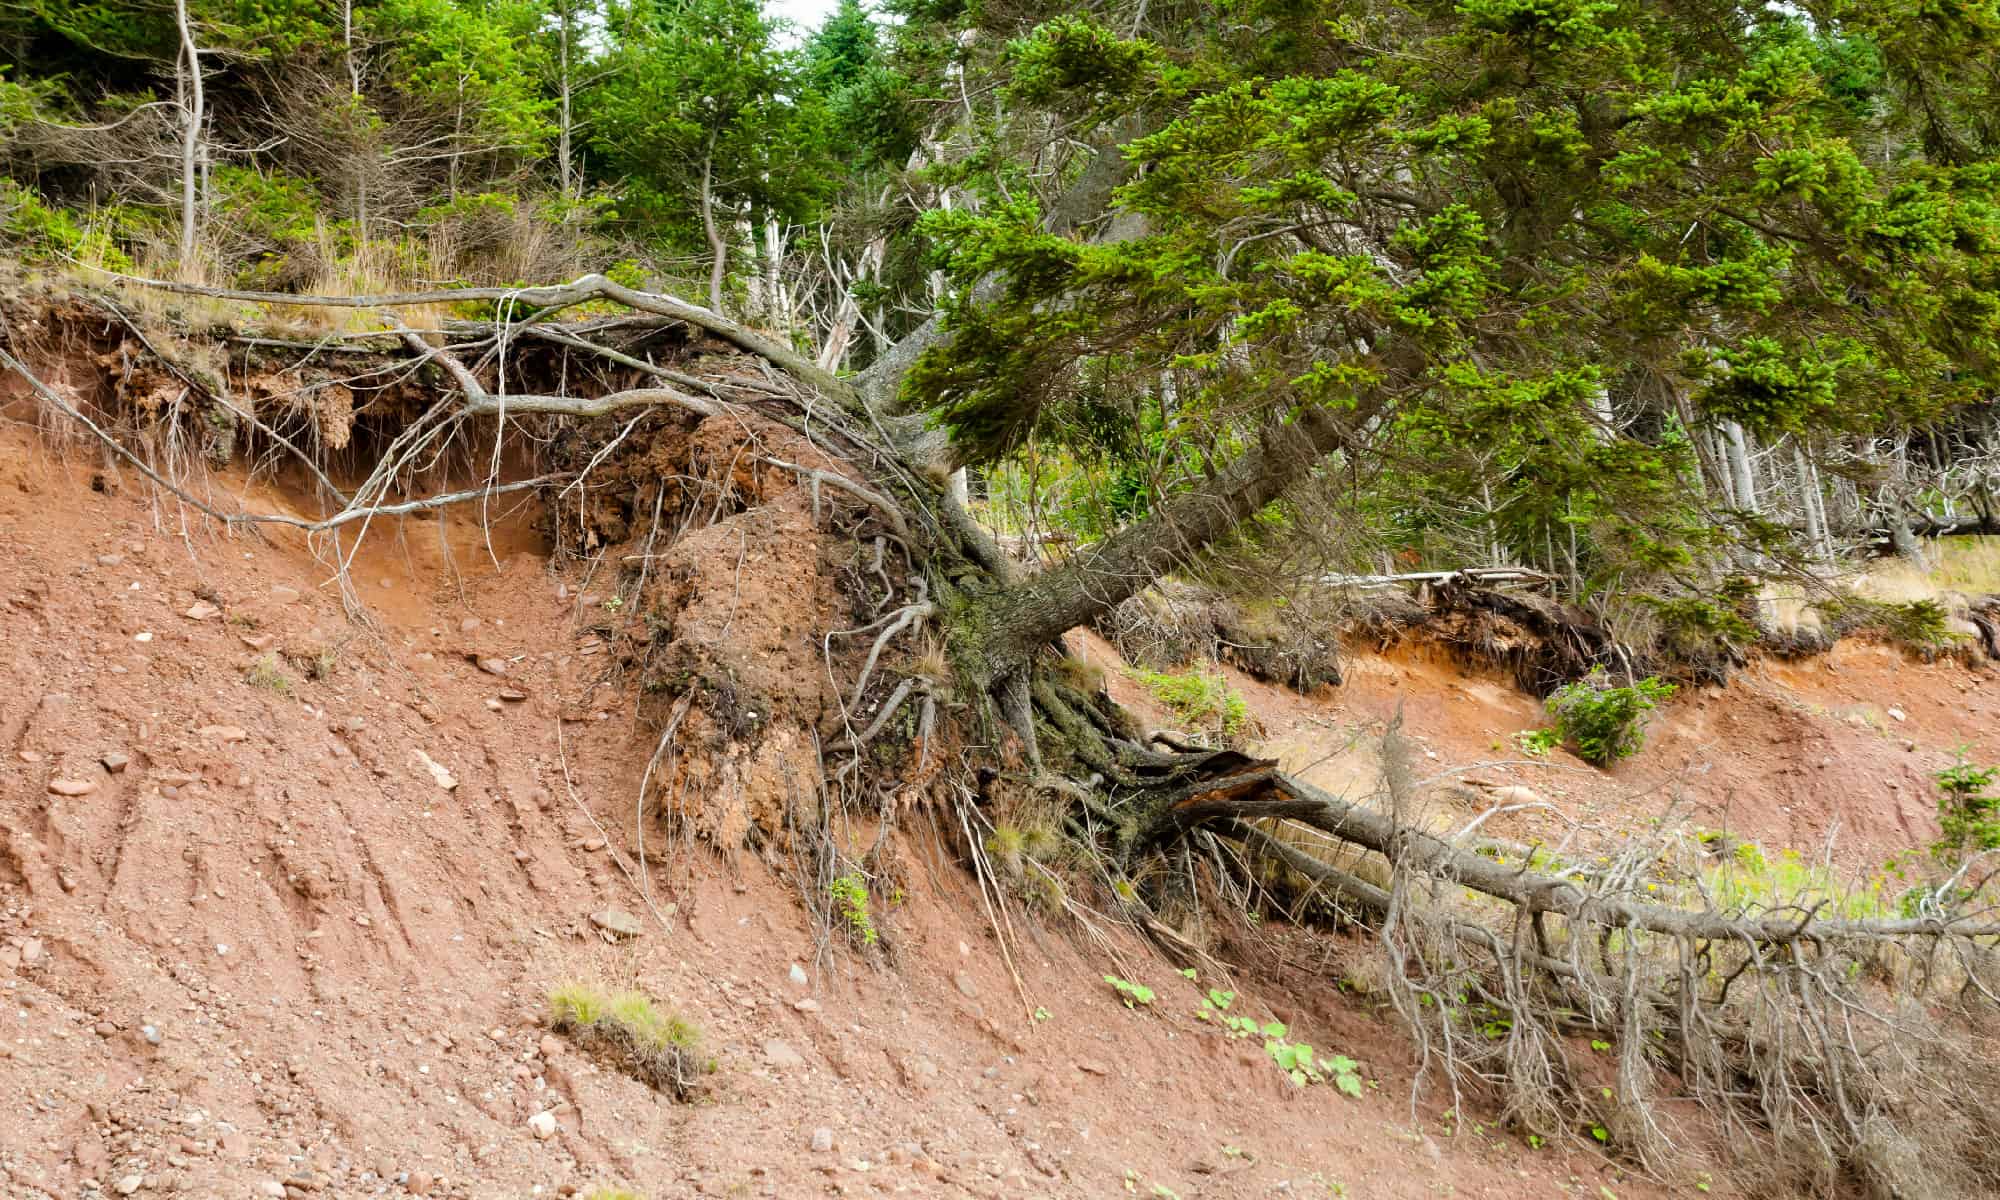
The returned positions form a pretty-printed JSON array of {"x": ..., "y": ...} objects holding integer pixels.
[
  {"x": 1537, "y": 743},
  {"x": 658, "y": 1049},
  {"x": 612, "y": 1193},
  {"x": 849, "y": 894},
  {"x": 1602, "y": 722},
  {"x": 1134, "y": 994},
  {"x": 264, "y": 673},
  {"x": 1298, "y": 1060},
  {"x": 1202, "y": 700},
  {"x": 1748, "y": 880}
]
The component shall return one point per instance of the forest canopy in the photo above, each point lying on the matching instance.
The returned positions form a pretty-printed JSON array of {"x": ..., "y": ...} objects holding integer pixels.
[{"x": 1653, "y": 298}]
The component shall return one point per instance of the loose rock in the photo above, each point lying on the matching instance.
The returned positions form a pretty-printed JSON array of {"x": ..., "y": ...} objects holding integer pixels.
[
  {"x": 779, "y": 1053},
  {"x": 72, "y": 787},
  {"x": 225, "y": 733},
  {"x": 822, "y": 1140},
  {"x": 202, "y": 610},
  {"x": 439, "y": 774},
  {"x": 617, "y": 922},
  {"x": 492, "y": 666},
  {"x": 965, "y": 985},
  {"x": 116, "y": 762},
  {"x": 543, "y": 1124}
]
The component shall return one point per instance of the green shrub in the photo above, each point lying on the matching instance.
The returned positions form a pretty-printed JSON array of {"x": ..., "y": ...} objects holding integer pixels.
[
  {"x": 1603, "y": 723},
  {"x": 41, "y": 232},
  {"x": 1968, "y": 811},
  {"x": 1922, "y": 626},
  {"x": 275, "y": 209},
  {"x": 849, "y": 894}
]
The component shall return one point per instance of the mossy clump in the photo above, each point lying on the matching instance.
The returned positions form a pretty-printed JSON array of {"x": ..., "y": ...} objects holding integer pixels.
[{"x": 627, "y": 1029}]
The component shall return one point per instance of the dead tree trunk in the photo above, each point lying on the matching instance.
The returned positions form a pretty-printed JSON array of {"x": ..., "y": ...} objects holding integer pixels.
[{"x": 192, "y": 115}]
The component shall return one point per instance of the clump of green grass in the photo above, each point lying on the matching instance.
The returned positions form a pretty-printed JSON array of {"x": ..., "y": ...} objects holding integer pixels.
[
  {"x": 264, "y": 673},
  {"x": 1202, "y": 700},
  {"x": 626, "y": 1028},
  {"x": 612, "y": 1193}
]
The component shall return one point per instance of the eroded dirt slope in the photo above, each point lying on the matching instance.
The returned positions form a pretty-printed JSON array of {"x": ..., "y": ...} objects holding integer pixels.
[{"x": 282, "y": 895}]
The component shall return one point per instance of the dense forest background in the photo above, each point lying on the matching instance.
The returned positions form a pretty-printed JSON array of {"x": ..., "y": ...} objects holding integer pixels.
[{"x": 1657, "y": 299}]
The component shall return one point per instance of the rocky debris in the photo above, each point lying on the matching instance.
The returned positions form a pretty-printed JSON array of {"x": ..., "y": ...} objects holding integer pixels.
[
  {"x": 778, "y": 1053},
  {"x": 439, "y": 774},
  {"x": 1092, "y": 1068},
  {"x": 128, "y": 1185},
  {"x": 822, "y": 1140},
  {"x": 271, "y": 1187},
  {"x": 512, "y": 696},
  {"x": 491, "y": 665},
  {"x": 966, "y": 987},
  {"x": 798, "y": 975},
  {"x": 143, "y": 636},
  {"x": 280, "y": 594},
  {"x": 549, "y": 1046},
  {"x": 225, "y": 733},
  {"x": 202, "y": 610},
  {"x": 469, "y": 625},
  {"x": 110, "y": 560},
  {"x": 258, "y": 641},
  {"x": 807, "y": 1005},
  {"x": 543, "y": 1125},
  {"x": 617, "y": 923},
  {"x": 72, "y": 787},
  {"x": 591, "y": 845},
  {"x": 116, "y": 762}
]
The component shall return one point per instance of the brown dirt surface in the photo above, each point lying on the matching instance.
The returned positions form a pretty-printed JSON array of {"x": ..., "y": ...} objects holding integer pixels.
[{"x": 267, "y": 949}]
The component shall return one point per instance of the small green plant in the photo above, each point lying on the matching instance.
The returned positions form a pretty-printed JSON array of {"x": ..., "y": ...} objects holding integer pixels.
[
  {"x": 658, "y": 1049},
  {"x": 1603, "y": 722},
  {"x": 1537, "y": 743},
  {"x": 614, "y": 603},
  {"x": 264, "y": 673},
  {"x": 1134, "y": 994},
  {"x": 849, "y": 894},
  {"x": 1968, "y": 811},
  {"x": 612, "y": 1193},
  {"x": 1302, "y": 1065},
  {"x": 1203, "y": 701}
]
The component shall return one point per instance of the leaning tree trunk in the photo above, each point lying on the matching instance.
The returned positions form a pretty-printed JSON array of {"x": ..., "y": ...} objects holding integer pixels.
[{"x": 999, "y": 634}]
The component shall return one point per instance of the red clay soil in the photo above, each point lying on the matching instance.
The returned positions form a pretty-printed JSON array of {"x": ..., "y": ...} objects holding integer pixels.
[
  {"x": 1834, "y": 754},
  {"x": 251, "y": 945}
]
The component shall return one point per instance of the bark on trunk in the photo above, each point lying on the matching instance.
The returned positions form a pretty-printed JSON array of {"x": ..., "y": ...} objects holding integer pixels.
[{"x": 717, "y": 248}]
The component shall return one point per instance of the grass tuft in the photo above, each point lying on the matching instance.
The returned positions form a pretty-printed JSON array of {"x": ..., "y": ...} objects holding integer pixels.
[{"x": 659, "y": 1049}]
